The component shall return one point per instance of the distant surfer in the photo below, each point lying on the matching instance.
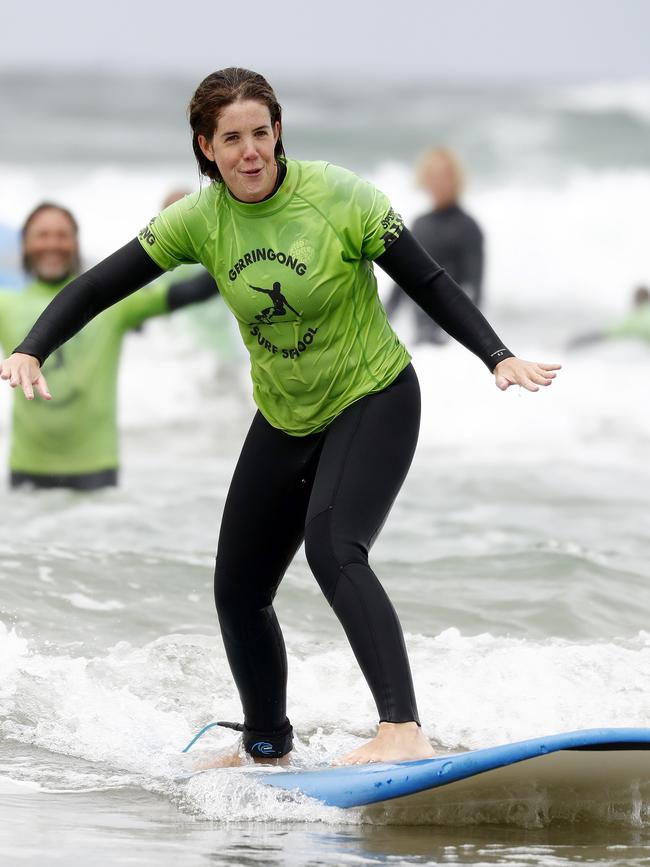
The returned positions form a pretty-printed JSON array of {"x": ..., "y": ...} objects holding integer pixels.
[
  {"x": 337, "y": 426},
  {"x": 636, "y": 325},
  {"x": 280, "y": 304}
]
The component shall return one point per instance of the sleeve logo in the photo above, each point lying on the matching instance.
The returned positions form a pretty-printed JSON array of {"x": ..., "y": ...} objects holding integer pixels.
[
  {"x": 147, "y": 234},
  {"x": 393, "y": 225}
]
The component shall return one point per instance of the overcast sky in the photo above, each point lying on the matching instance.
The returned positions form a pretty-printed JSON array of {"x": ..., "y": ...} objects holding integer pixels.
[{"x": 511, "y": 40}]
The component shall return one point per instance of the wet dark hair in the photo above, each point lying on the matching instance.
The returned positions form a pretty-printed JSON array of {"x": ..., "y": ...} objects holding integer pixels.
[
  {"x": 29, "y": 219},
  {"x": 48, "y": 206},
  {"x": 219, "y": 90}
]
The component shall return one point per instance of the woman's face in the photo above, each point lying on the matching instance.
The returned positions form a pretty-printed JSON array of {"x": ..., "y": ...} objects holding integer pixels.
[{"x": 243, "y": 147}]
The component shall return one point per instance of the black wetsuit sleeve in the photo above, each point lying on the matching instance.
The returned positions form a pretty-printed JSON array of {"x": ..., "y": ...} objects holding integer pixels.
[
  {"x": 470, "y": 273},
  {"x": 429, "y": 285},
  {"x": 121, "y": 274},
  {"x": 192, "y": 291}
]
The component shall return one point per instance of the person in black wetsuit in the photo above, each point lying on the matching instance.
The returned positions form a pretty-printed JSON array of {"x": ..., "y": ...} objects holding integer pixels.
[
  {"x": 338, "y": 399},
  {"x": 449, "y": 235}
]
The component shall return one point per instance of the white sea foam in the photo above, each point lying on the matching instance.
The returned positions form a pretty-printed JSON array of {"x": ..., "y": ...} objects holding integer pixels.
[
  {"x": 133, "y": 708},
  {"x": 87, "y": 603},
  {"x": 9, "y": 786},
  {"x": 594, "y": 406}
]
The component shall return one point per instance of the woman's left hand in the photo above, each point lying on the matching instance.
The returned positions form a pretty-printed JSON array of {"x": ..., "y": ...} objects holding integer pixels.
[{"x": 529, "y": 374}]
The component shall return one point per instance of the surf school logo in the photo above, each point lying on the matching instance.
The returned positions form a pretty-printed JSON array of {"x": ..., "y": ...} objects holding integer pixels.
[
  {"x": 288, "y": 351},
  {"x": 279, "y": 310},
  {"x": 278, "y": 307},
  {"x": 267, "y": 254}
]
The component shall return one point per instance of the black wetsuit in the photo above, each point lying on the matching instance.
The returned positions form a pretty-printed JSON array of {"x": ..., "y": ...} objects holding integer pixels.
[
  {"x": 332, "y": 489},
  {"x": 454, "y": 239}
]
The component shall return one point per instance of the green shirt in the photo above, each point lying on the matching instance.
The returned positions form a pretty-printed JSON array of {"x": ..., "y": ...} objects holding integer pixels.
[
  {"x": 75, "y": 432},
  {"x": 296, "y": 272}
]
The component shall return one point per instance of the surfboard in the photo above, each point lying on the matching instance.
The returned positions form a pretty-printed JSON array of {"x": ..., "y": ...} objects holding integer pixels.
[{"x": 608, "y": 767}]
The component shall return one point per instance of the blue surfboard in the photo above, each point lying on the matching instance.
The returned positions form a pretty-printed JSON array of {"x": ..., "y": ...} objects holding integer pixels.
[{"x": 609, "y": 765}]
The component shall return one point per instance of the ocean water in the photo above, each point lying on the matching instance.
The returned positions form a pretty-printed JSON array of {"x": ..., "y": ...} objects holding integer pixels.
[{"x": 516, "y": 554}]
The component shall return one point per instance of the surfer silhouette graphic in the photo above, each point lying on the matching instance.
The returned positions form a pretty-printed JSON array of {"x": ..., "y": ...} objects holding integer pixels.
[{"x": 280, "y": 304}]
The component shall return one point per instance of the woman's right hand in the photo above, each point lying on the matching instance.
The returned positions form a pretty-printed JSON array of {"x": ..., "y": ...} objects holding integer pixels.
[{"x": 25, "y": 371}]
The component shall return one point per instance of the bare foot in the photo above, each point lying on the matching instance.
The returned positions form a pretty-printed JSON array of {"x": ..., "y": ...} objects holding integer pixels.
[
  {"x": 236, "y": 760},
  {"x": 394, "y": 742}
]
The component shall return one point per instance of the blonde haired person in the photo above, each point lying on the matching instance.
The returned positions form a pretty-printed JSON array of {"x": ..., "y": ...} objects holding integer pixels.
[{"x": 448, "y": 234}]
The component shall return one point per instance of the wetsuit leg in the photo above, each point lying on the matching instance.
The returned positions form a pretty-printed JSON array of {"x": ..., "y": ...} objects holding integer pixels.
[
  {"x": 262, "y": 527},
  {"x": 366, "y": 454}
]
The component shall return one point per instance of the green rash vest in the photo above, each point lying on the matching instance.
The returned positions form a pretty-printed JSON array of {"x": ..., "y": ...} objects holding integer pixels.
[
  {"x": 296, "y": 271},
  {"x": 76, "y": 432}
]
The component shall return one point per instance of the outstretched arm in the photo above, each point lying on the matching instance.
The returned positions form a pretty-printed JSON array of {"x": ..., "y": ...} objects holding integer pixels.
[
  {"x": 121, "y": 274},
  {"x": 259, "y": 289},
  {"x": 429, "y": 285},
  {"x": 192, "y": 291}
]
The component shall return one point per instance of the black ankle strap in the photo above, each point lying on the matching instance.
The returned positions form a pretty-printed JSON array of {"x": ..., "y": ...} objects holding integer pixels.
[{"x": 270, "y": 745}]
